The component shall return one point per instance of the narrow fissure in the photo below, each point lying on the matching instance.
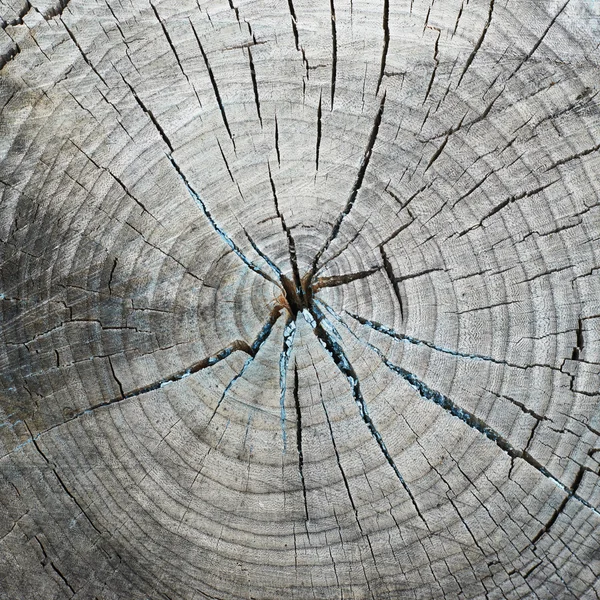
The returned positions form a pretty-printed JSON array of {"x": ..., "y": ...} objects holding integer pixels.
[
  {"x": 254, "y": 84},
  {"x": 364, "y": 163},
  {"x": 389, "y": 271},
  {"x": 290, "y": 238},
  {"x": 299, "y": 437},
  {"x": 418, "y": 342},
  {"x": 213, "y": 82},
  {"x": 465, "y": 416},
  {"x": 257, "y": 344},
  {"x": 386, "y": 42},
  {"x": 333, "y": 51},
  {"x": 317, "y": 320},
  {"x": 216, "y": 227},
  {"x": 318, "y": 147},
  {"x": 335, "y": 280}
]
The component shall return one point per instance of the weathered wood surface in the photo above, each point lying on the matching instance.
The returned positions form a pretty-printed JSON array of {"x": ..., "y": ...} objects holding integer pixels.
[{"x": 299, "y": 299}]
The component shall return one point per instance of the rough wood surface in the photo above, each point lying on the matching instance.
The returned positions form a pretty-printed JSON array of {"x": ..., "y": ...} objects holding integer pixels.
[{"x": 299, "y": 299}]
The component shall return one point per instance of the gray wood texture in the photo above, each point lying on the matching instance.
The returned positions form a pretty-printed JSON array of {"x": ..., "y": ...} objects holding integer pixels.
[{"x": 299, "y": 299}]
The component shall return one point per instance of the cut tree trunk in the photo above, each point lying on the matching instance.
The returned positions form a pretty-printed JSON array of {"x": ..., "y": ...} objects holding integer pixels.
[{"x": 299, "y": 299}]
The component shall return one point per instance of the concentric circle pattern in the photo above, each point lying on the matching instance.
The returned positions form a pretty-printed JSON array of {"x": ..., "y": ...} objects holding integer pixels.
[{"x": 299, "y": 299}]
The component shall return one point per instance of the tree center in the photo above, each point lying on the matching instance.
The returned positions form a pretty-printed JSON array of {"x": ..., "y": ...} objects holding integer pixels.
[{"x": 298, "y": 293}]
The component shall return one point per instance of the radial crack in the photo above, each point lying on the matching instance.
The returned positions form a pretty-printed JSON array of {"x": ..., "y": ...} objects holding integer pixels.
[
  {"x": 339, "y": 462},
  {"x": 213, "y": 82},
  {"x": 257, "y": 344},
  {"x": 288, "y": 342},
  {"x": 466, "y": 417},
  {"x": 418, "y": 342},
  {"x": 254, "y": 245},
  {"x": 290, "y": 238},
  {"x": 336, "y": 280},
  {"x": 299, "y": 438},
  {"x": 209, "y": 361},
  {"x": 386, "y": 42},
  {"x": 216, "y": 227},
  {"x": 364, "y": 163},
  {"x": 479, "y": 42},
  {"x": 389, "y": 271},
  {"x": 320, "y": 325},
  {"x": 333, "y": 51}
]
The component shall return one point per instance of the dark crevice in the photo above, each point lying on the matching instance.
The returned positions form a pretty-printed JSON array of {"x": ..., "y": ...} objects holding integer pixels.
[
  {"x": 290, "y": 238},
  {"x": 294, "y": 23},
  {"x": 117, "y": 179},
  {"x": 257, "y": 344},
  {"x": 114, "y": 374},
  {"x": 523, "y": 408},
  {"x": 418, "y": 274},
  {"x": 226, "y": 164},
  {"x": 169, "y": 41},
  {"x": 386, "y": 42},
  {"x": 540, "y": 40},
  {"x": 56, "y": 10},
  {"x": 458, "y": 19},
  {"x": 335, "y": 280},
  {"x": 47, "y": 561},
  {"x": 436, "y": 61},
  {"x": 284, "y": 358},
  {"x": 258, "y": 251},
  {"x": 277, "y": 142},
  {"x": 339, "y": 463},
  {"x": 389, "y": 271},
  {"x": 216, "y": 227},
  {"x": 570, "y": 493},
  {"x": 465, "y": 416},
  {"x": 33, "y": 438},
  {"x": 9, "y": 55},
  {"x": 333, "y": 51},
  {"x": 83, "y": 55},
  {"x": 318, "y": 148},
  {"x": 364, "y": 163},
  {"x": 507, "y": 202},
  {"x": 417, "y": 342},
  {"x": 327, "y": 339},
  {"x": 213, "y": 82},
  {"x": 340, "y": 251},
  {"x": 299, "y": 438},
  {"x": 150, "y": 114},
  {"x": 237, "y": 345},
  {"x": 236, "y": 11},
  {"x": 18, "y": 20},
  {"x": 479, "y": 43},
  {"x": 254, "y": 84},
  {"x": 64, "y": 579},
  {"x": 437, "y": 153},
  {"x": 577, "y": 349},
  {"x": 567, "y": 159}
]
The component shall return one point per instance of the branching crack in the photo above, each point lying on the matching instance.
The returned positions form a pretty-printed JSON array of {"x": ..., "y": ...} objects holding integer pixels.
[
  {"x": 465, "y": 416},
  {"x": 364, "y": 163},
  {"x": 327, "y": 335},
  {"x": 257, "y": 344},
  {"x": 216, "y": 227}
]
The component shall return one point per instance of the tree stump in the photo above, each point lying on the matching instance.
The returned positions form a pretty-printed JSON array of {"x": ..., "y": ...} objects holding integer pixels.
[{"x": 299, "y": 299}]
